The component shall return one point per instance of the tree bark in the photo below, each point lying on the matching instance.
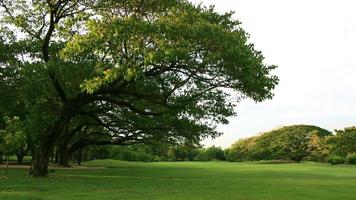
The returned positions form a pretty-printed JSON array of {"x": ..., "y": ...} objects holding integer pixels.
[
  {"x": 44, "y": 149},
  {"x": 40, "y": 161}
]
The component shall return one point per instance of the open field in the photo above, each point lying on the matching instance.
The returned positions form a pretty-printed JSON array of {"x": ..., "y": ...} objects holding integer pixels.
[{"x": 185, "y": 180}]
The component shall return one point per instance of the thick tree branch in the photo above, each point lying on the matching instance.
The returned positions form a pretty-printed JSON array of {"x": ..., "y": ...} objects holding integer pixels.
[{"x": 58, "y": 87}]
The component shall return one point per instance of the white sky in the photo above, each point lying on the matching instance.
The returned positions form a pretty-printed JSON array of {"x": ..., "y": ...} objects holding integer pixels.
[{"x": 314, "y": 44}]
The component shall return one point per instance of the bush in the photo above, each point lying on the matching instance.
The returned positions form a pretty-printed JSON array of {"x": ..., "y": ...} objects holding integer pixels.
[
  {"x": 128, "y": 155},
  {"x": 335, "y": 160},
  {"x": 143, "y": 157},
  {"x": 351, "y": 158},
  {"x": 202, "y": 156}
]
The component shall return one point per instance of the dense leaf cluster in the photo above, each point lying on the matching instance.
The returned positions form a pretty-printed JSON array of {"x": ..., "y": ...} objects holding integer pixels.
[{"x": 287, "y": 143}]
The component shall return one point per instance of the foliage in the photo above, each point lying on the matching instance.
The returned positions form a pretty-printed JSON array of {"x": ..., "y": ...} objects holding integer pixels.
[
  {"x": 335, "y": 160},
  {"x": 351, "y": 158},
  {"x": 210, "y": 153},
  {"x": 287, "y": 143},
  {"x": 318, "y": 149},
  {"x": 344, "y": 141},
  {"x": 138, "y": 71},
  {"x": 182, "y": 152},
  {"x": 13, "y": 137},
  {"x": 157, "y": 152},
  {"x": 131, "y": 153},
  {"x": 242, "y": 150}
]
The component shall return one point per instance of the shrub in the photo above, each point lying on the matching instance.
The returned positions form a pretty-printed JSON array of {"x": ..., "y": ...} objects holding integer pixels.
[
  {"x": 143, "y": 157},
  {"x": 215, "y": 153},
  {"x": 351, "y": 158},
  {"x": 202, "y": 156},
  {"x": 335, "y": 160},
  {"x": 128, "y": 155},
  {"x": 157, "y": 159}
]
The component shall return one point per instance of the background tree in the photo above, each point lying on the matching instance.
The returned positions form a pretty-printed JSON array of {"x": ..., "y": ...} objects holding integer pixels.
[
  {"x": 210, "y": 153},
  {"x": 12, "y": 138},
  {"x": 343, "y": 142},
  {"x": 242, "y": 150},
  {"x": 292, "y": 142},
  {"x": 318, "y": 149},
  {"x": 287, "y": 143}
]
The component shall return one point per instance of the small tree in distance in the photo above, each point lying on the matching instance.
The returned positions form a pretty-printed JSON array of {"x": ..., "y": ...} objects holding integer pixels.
[{"x": 12, "y": 138}]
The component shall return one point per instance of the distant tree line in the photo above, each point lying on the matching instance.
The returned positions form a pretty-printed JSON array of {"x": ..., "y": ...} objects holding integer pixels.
[
  {"x": 291, "y": 143},
  {"x": 297, "y": 143},
  {"x": 135, "y": 152},
  {"x": 156, "y": 153}
]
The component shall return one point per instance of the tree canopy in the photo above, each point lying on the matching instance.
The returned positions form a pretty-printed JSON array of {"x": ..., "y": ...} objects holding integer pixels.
[
  {"x": 344, "y": 141},
  {"x": 288, "y": 143}
]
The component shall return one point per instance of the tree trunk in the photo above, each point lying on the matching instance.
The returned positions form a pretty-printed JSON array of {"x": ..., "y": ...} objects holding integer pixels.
[
  {"x": 20, "y": 155},
  {"x": 63, "y": 145},
  {"x": 1, "y": 158},
  {"x": 40, "y": 161},
  {"x": 7, "y": 164},
  {"x": 74, "y": 148},
  {"x": 86, "y": 154},
  {"x": 20, "y": 158},
  {"x": 56, "y": 158},
  {"x": 52, "y": 155},
  {"x": 45, "y": 147},
  {"x": 63, "y": 156},
  {"x": 80, "y": 156}
]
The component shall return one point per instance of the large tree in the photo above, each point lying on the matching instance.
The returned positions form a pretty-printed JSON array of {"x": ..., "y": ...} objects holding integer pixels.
[
  {"x": 137, "y": 70},
  {"x": 344, "y": 141},
  {"x": 287, "y": 143}
]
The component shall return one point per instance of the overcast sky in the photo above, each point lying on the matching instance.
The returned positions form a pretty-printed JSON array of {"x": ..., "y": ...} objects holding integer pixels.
[{"x": 314, "y": 45}]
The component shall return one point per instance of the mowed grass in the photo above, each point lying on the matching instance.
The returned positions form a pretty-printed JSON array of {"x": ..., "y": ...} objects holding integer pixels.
[{"x": 185, "y": 180}]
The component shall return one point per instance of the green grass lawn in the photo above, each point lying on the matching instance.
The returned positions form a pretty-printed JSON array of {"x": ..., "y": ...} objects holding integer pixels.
[{"x": 186, "y": 180}]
